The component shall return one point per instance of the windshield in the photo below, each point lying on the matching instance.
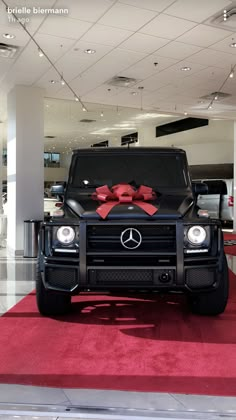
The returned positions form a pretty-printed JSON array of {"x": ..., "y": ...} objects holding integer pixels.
[{"x": 159, "y": 171}]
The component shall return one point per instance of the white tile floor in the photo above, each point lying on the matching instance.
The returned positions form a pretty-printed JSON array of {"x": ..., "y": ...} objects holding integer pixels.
[{"x": 26, "y": 402}]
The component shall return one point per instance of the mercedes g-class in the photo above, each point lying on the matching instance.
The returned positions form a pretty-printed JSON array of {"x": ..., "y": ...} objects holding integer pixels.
[{"x": 129, "y": 222}]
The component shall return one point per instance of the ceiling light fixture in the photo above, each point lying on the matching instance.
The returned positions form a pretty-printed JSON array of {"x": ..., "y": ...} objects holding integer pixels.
[
  {"x": 141, "y": 96},
  {"x": 41, "y": 54},
  {"x": 62, "y": 81},
  {"x": 52, "y": 81},
  {"x": 84, "y": 109},
  {"x": 186, "y": 68},
  {"x": 185, "y": 113},
  {"x": 133, "y": 93},
  {"x": 8, "y": 36},
  {"x": 216, "y": 98},
  {"x": 225, "y": 15},
  {"x": 102, "y": 114},
  {"x": 233, "y": 45},
  {"x": 76, "y": 98},
  {"x": 231, "y": 75},
  {"x": 89, "y": 51}
]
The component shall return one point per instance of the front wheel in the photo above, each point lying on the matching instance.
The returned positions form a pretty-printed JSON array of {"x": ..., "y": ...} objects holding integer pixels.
[
  {"x": 50, "y": 303},
  {"x": 212, "y": 303}
]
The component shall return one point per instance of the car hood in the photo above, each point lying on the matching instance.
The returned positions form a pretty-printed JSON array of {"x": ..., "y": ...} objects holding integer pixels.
[{"x": 168, "y": 207}]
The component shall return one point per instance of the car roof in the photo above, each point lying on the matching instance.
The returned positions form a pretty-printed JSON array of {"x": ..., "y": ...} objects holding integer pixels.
[{"x": 127, "y": 150}]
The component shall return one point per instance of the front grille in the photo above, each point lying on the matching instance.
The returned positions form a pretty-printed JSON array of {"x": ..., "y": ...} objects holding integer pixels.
[
  {"x": 200, "y": 277},
  {"x": 61, "y": 278},
  {"x": 154, "y": 238},
  {"x": 124, "y": 277}
]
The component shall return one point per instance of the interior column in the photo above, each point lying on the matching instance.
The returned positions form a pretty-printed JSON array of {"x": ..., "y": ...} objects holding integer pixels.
[{"x": 25, "y": 168}]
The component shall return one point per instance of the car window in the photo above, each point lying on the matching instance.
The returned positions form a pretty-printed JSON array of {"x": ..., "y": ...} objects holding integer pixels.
[{"x": 216, "y": 187}]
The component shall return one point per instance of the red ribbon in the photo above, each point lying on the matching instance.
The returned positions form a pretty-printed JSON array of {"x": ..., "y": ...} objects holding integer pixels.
[{"x": 124, "y": 193}]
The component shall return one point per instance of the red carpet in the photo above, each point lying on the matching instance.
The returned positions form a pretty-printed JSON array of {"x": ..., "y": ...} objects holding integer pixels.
[
  {"x": 230, "y": 249},
  {"x": 147, "y": 343}
]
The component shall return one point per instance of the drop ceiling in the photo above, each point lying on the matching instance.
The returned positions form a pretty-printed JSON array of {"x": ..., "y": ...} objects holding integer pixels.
[{"x": 150, "y": 41}]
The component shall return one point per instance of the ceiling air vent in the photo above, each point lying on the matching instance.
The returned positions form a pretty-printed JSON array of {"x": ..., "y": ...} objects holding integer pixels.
[
  {"x": 216, "y": 95},
  {"x": 122, "y": 81},
  {"x": 85, "y": 120},
  {"x": 8, "y": 51}
]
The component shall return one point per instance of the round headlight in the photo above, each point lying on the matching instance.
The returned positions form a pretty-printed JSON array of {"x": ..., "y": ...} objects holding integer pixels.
[
  {"x": 65, "y": 234},
  {"x": 196, "y": 235}
]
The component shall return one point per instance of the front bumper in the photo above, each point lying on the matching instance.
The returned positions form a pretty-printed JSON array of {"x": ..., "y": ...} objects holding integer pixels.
[{"x": 100, "y": 265}]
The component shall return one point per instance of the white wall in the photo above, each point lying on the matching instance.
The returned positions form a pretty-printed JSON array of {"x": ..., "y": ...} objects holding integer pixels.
[{"x": 208, "y": 144}]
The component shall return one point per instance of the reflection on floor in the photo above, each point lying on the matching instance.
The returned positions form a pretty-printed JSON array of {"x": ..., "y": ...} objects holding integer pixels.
[{"x": 17, "y": 279}]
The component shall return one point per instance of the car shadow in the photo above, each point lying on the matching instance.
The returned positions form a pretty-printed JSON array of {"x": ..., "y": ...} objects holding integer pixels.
[{"x": 154, "y": 317}]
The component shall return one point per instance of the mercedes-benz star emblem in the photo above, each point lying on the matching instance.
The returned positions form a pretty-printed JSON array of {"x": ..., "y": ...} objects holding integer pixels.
[{"x": 131, "y": 238}]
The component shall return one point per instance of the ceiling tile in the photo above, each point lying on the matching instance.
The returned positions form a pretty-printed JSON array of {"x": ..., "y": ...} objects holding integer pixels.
[
  {"x": 154, "y": 82},
  {"x": 127, "y": 17},
  {"x": 224, "y": 45},
  {"x": 21, "y": 37},
  {"x": 35, "y": 20},
  {"x": 89, "y": 10},
  {"x": 203, "y": 36},
  {"x": 106, "y": 35},
  {"x": 196, "y": 11},
  {"x": 145, "y": 68},
  {"x": 167, "y": 27},
  {"x": 109, "y": 66},
  {"x": 144, "y": 43},
  {"x": 209, "y": 57},
  {"x": 178, "y": 50},
  {"x": 156, "y": 5},
  {"x": 70, "y": 28},
  {"x": 54, "y": 46},
  {"x": 76, "y": 61},
  {"x": 175, "y": 73}
]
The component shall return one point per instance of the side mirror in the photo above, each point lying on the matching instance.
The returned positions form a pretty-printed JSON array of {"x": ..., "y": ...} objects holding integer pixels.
[
  {"x": 57, "y": 190},
  {"x": 199, "y": 188}
]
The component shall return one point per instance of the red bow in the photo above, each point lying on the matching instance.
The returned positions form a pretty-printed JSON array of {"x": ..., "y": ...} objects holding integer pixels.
[{"x": 124, "y": 193}]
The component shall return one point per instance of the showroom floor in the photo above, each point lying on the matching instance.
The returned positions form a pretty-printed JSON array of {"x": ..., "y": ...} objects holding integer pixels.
[{"x": 27, "y": 402}]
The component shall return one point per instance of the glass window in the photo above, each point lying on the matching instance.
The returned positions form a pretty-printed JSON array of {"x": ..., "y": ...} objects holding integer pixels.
[{"x": 163, "y": 171}]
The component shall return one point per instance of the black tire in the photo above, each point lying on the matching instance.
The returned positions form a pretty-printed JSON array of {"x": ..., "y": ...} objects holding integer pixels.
[
  {"x": 212, "y": 303},
  {"x": 50, "y": 303}
]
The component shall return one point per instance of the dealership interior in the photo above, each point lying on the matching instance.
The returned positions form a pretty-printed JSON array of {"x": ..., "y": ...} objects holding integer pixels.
[{"x": 115, "y": 76}]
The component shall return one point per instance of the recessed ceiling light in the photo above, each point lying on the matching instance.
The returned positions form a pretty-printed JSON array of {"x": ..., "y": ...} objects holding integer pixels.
[
  {"x": 8, "y": 36},
  {"x": 186, "y": 68},
  {"x": 52, "y": 81},
  {"x": 133, "y": 93},
  {"x": 89, "y": 51},
  {"x": 233, "y": 45}
]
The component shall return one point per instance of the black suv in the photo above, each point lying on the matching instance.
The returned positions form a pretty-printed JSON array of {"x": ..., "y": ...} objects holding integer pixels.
[{"x": 129, "y": 222}]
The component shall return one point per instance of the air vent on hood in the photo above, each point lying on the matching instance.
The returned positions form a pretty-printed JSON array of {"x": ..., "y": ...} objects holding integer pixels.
[
  {"x": 216, "y": 95},
  {"x": 8, "y": 51},
  {"x": 85, "y": 120},
  {"x": 122, "y": 81}
]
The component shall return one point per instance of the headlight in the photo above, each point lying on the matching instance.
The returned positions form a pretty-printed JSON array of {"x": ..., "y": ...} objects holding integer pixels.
[
  {"x": 65, "y": 234},
  {"x": 196, "y": 235}
]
